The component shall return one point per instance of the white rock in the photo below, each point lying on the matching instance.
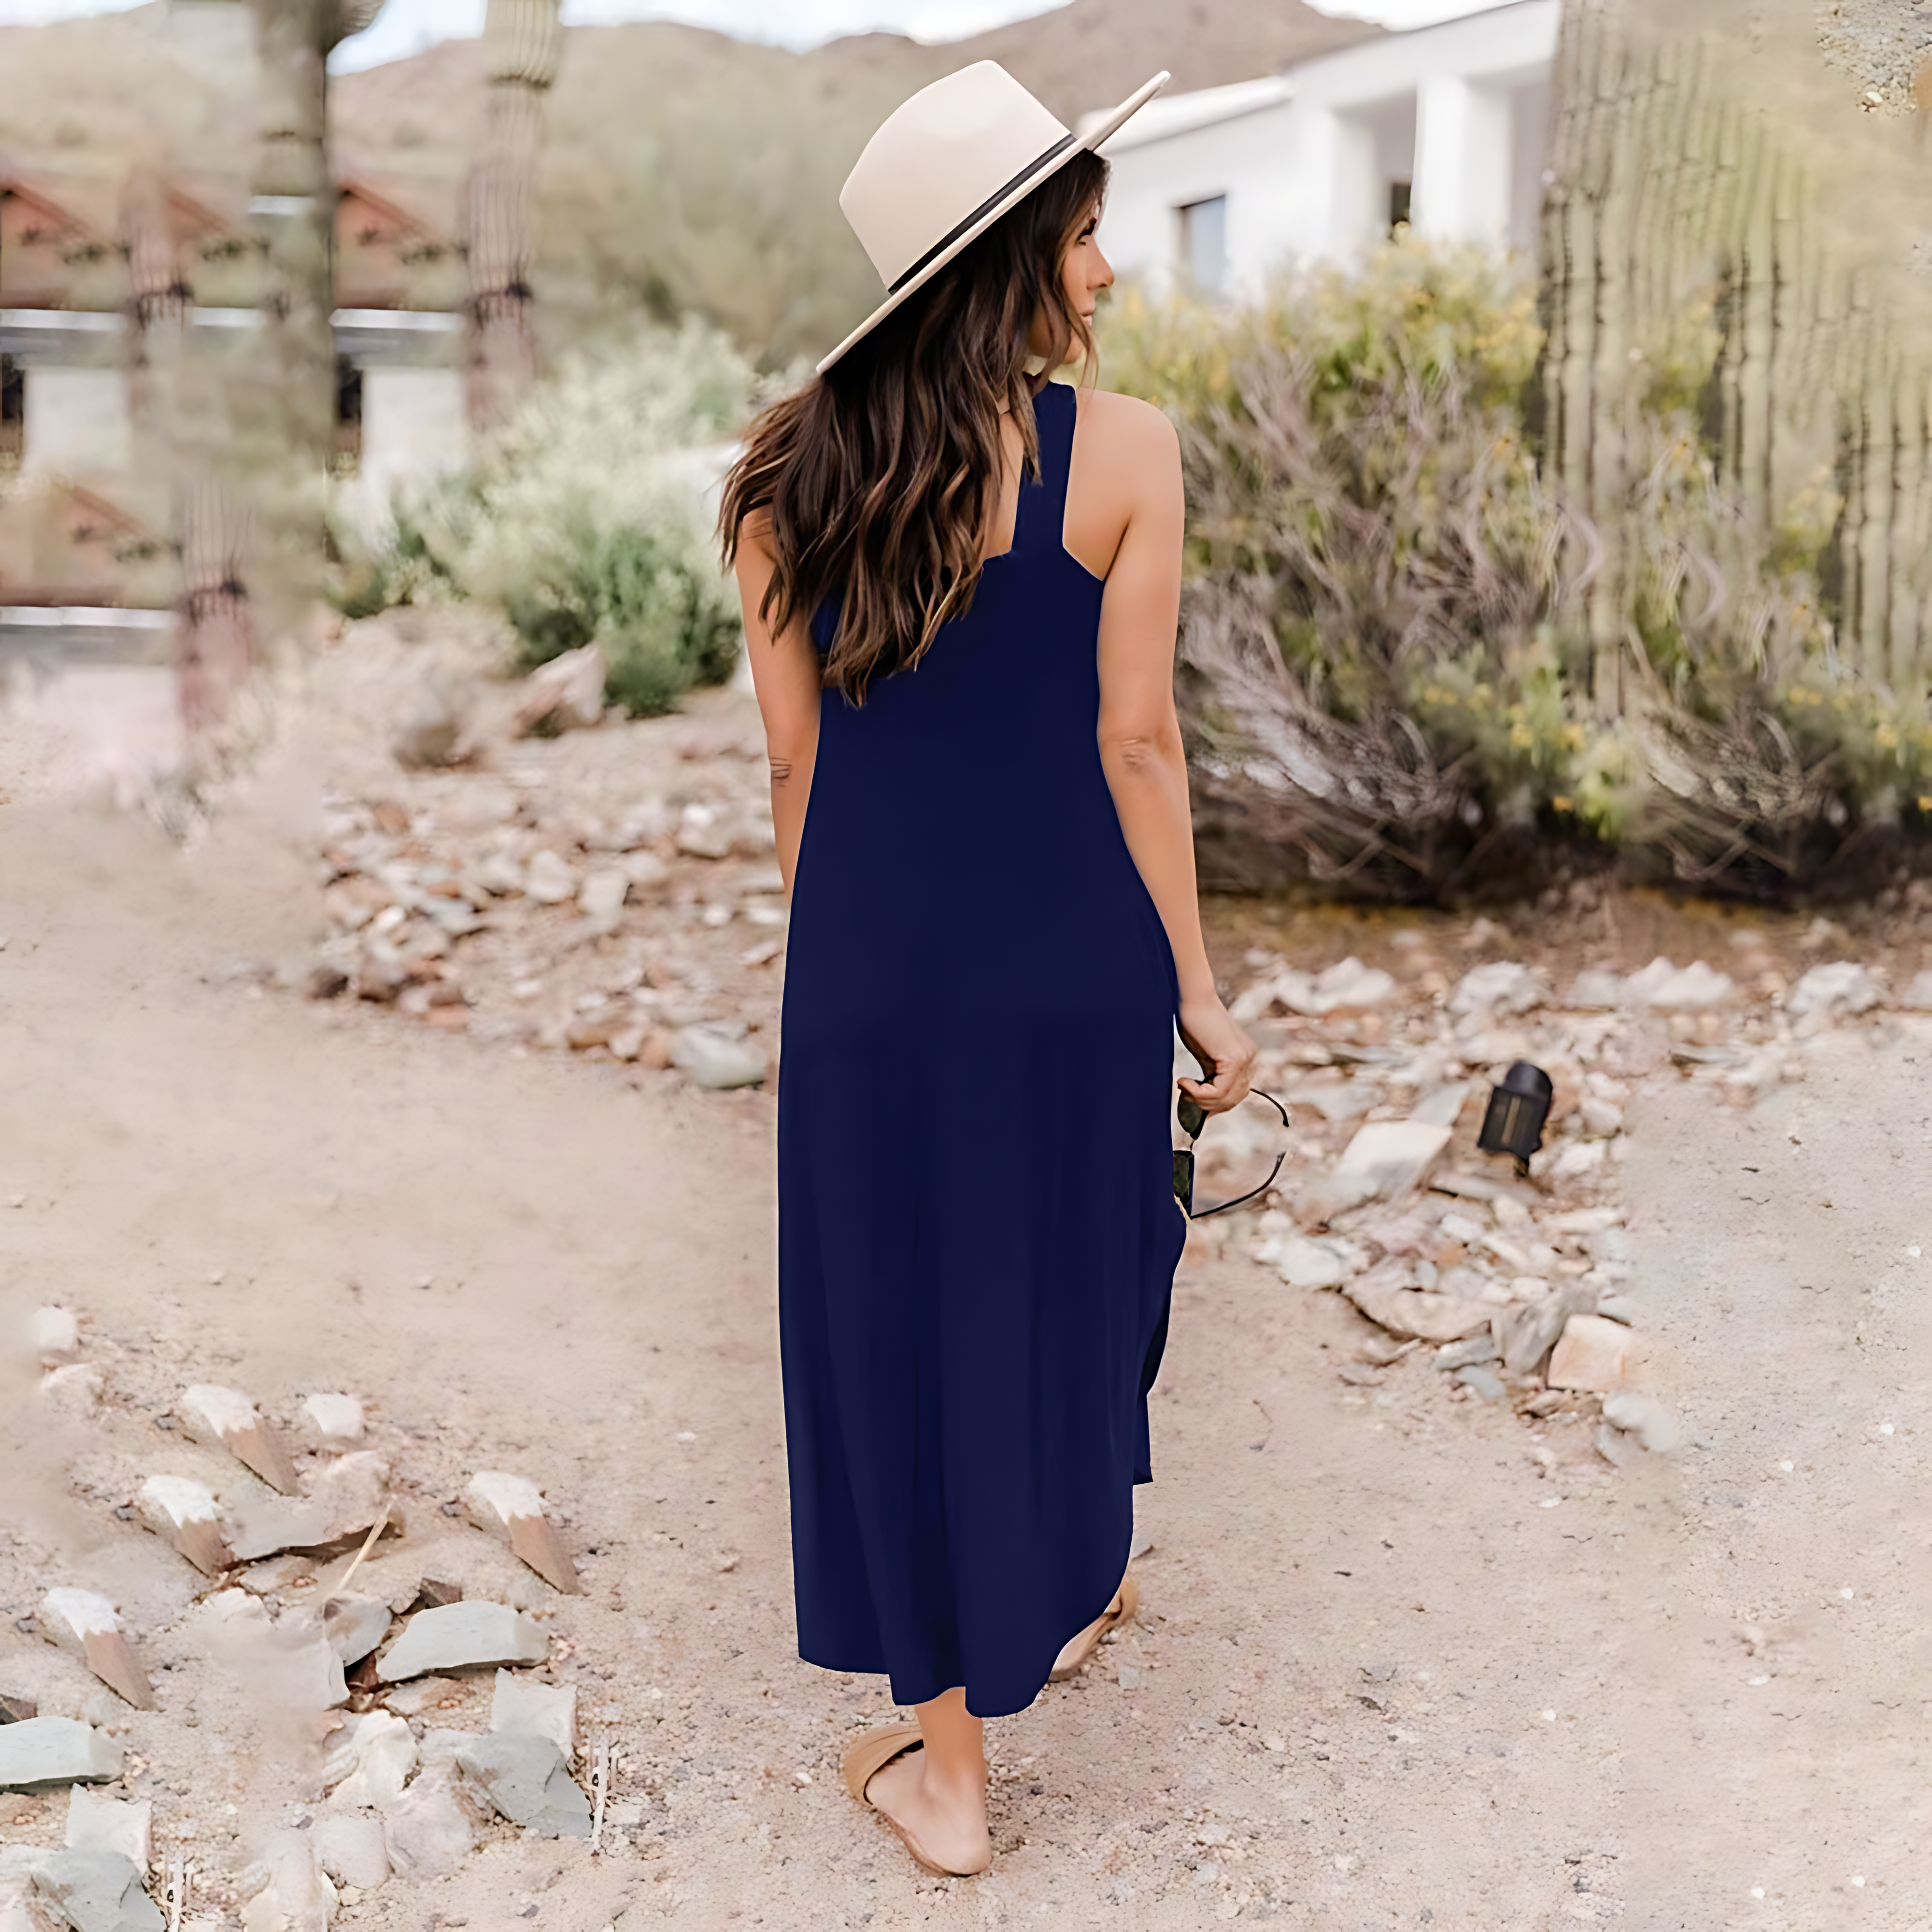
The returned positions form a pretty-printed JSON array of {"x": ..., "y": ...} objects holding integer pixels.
[
  {"x": 1572, "y": 1162},
  {"x": 1390, "y": 1156},
  {"x": 1834, "y": 991},
  {"x": 285, "y": 1889},
  {"x": 430, "y": 1830},
  {"x": 332, "y": 1421},
  {"x": 1918, "y": 994},
  {"x": 1697, "y": 988},
  {"x": 345, "y": 1497},
  {"x": 354, "y": 1625},
  {"x": 1348, "y": 985},
  {"x": 547, "y": 1710},
  {"x": 96, "y": 1823},
  {"x": 1596, "y": 992},
  {"x": 644, "y": 870},
  {"x": 369, "y": 1762},
  {"x": 75, "y": 1388},
  {"x": 1594, "y": 1355},
  {"x": 715, "y": 1059},
  {"x": 1602, "y": 1118},
  {"x": 1304, "y": 1263},
  {"x": 1503, "y": 987},
  {"x": 41, "y": 1752},
  {"x": 1406, "y": 1311},
  {"x": 603, "y": 892},
  {"x": 1645, "y": 1417},
  {"x": 351, "y": 1849},
  {"x": 461, "y": 1637},
  {"x": 56, "y": 1336},
  {"x": 547, "y": 879}
]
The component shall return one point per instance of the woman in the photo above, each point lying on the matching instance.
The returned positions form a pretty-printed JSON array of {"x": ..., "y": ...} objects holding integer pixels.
[{"x": 960, "y": 585}]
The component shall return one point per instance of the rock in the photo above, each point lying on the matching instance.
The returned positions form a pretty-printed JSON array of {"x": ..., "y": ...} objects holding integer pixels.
[
  {"x": 602, "y": 894},
  {"x": 84, "y": 1622},
  {"x": 331, "y": 1422},
  {"x": 97, "y": 1891},
  {"x": 1348, "y": 986},
  {"x": 226, "y": 1418},
  {"x": 645, "y": 870},
  {"x": 714, "y": 1059},
  {"x": 1614, "y": 1446},
  {"x": 566, "y": 693},
  {"x": 547, "y": 1710},
  {"x": 526, "y": 1777},
  {"x": 1603, "y": 1118},
  {"x": 285, "y": 1889},
  {"x": 1479, "y": 1348},
  {"x": 369, "y": 1762},
  {"x": 96, "y": 1823},
  {"x": 1836, "y": 991},
  {"x": 1918, "y": 994},
  {"x": 15, "y": 1709},
  {"x": 1389, "y": 1157},
  {"x": 701, "y": 834},
  {"x": 462, "y": 1637},
  {"x": 185, "y": 1513},
  {"x": 425, "y": 1693},
  {"x": 1594, "y": 1355},
  {"x": 1442, "y": 1106},
  {"x": 40, "y": 1752},
  {"x": 1483, "y": 1380},
  {"x": 1527, "y": 1333},
  {"x": 75, "y": 1388},
  {"x": 511, "y": 1508},
  {"x": 1620, "y": 1308},
  {"x": 1596, "y": 992},
  {"x": 349, "y": 1848},
  {"x": 353, "y": 1626},
  {"x": 1407, "y": 1311},
  {"x": 1645, "y": 1417},
  {"x": 548, "y": 880},
  {"x": 430, "y": 1830},
  {"x": 1302, "y": 1263},
  {"x": 1502, "y": 987},
  {"x": 1698, "y": 988},
  {"x": 343, "y": 1500},
  {"x": 1573, "y": 1162},
  {"x": 56, "y": 1336}
]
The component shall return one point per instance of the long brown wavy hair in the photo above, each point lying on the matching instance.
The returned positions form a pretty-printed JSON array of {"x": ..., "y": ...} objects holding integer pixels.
[{"x": 881, "y": 476}]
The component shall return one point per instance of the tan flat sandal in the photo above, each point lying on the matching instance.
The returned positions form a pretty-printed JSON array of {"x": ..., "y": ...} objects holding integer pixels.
[
  {"x": 1125, "y": 1603},
  {"x": 869, "y": 1755}
]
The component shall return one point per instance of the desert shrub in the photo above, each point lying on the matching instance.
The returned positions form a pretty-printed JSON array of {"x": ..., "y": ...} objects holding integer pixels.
[
  {"x": 1379, "y": 674},
  {"x": 1390, "y": 658},
  {"x": 585, "y": 518}
]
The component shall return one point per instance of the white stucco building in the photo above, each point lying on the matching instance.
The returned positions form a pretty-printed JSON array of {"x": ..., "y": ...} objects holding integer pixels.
[{"x": 1442, "y": 127}]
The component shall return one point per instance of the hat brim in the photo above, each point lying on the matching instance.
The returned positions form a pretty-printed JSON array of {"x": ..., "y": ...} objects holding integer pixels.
[{"x": 1105, "y": 129}]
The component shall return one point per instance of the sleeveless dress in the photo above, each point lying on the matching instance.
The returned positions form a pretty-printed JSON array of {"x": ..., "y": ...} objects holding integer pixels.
[{"x": 977, "y": 1227}]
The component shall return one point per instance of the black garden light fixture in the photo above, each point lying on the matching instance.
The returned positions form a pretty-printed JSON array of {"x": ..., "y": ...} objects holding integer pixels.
[{"x": 1518, "y": 1105}]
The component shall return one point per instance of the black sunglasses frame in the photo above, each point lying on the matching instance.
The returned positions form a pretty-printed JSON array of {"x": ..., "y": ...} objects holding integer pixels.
[{"x": 1191, "y": 1117}]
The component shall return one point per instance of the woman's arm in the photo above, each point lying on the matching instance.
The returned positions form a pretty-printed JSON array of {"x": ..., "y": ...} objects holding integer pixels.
[
  {"x": 787, "y": 676},
  {"x": 1139, "y": 734}
]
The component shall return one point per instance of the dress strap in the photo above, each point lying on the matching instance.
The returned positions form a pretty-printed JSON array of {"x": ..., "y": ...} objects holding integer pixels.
[{"x": 1041, "y": 519}]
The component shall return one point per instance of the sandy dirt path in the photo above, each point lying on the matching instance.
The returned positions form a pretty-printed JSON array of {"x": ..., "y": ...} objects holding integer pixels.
[{"x": 1390, "y": 1671}]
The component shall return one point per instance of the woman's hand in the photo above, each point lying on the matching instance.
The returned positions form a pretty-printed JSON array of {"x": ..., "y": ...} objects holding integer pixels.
[{"x": 1222, "y": 1047}]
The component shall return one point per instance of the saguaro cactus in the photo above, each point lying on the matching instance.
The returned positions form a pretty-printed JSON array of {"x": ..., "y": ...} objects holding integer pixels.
[{"x": 523, "y": 40}]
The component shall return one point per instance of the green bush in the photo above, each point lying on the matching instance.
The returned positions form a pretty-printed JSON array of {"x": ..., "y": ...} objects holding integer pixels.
[{"x": 585, "y": 517}]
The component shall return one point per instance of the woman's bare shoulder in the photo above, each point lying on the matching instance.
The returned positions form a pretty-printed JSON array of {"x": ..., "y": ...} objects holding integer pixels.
[{"x": 1125, "y": 423}]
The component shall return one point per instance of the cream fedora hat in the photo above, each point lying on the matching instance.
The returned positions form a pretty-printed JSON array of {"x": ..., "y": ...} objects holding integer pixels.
[{"x": 946, "y": 165}]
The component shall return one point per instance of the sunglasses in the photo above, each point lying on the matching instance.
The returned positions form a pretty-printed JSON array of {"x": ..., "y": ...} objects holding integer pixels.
[{"x": 1192, "y": 1117}]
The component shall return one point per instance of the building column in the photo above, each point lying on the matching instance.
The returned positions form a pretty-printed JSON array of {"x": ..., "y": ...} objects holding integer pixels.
[
  {"x": 1338, "y": 187},
  {"x": 1462, "y": 156}
]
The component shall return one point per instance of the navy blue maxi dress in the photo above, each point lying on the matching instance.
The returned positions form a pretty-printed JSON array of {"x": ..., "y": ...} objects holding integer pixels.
[{"x": 977, "y": 1227}]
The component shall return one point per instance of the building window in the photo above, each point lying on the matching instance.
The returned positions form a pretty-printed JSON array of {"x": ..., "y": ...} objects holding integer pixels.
[
  {"x": 348, "y": 416},
  {"x": 1204, "y": 243},
  {"x": 12, "y": 411},
  {"x": 1399, "y": 206}
]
